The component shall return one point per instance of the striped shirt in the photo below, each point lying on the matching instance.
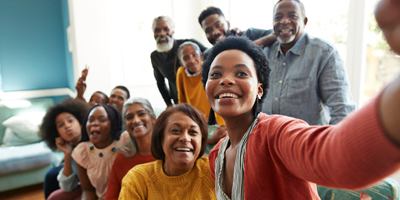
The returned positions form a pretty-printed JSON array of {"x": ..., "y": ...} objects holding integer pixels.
[{"x": 238, "y": 174}]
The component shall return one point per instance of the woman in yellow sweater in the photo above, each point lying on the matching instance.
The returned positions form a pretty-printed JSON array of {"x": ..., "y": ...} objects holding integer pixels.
[{"x": 178, "y": 142}]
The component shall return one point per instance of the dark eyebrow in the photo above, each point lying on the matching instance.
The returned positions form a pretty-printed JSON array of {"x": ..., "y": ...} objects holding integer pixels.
[{"x": 236, "y": 66}]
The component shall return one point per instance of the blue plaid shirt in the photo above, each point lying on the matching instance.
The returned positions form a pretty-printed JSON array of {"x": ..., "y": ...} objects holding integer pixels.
[{"x": 309, "y": 83}]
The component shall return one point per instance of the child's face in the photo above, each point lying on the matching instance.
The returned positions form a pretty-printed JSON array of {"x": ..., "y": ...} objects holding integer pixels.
[
  {"x": 232, "y": 84},
  {"x": 97, "y": 98},
  {"x": 98, "y": 128},
  {"x": 68, "y": 127}
]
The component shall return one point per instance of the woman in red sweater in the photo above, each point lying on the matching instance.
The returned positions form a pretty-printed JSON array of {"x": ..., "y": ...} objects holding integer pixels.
[
  {"x": 139, "y": 119},
  {"x": 279, "y": 157}
]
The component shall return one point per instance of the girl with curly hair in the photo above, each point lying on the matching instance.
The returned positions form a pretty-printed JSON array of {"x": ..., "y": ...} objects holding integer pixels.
[{"x": 61, "y": 129}]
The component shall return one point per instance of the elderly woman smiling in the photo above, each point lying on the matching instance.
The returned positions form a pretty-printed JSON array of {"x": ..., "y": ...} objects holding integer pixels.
[{"x": 178, "y": 142}]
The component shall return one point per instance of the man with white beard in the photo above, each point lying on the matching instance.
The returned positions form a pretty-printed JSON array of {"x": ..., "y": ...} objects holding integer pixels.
[
  {"x": 164, "y": 59},
  {"x": 308, "y": 78}
]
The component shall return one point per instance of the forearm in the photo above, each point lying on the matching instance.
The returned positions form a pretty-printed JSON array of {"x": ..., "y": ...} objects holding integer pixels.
[
  {"x": 266, "y": 40},
  {"x": 165, "y": 94},
  {"x": 88, "y": 195},
  {"x": 67, "y": 171}
]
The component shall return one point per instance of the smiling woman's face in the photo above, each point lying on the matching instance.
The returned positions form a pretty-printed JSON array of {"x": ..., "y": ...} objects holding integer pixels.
[
  {"x": 181, "y": 143},
  {"x": 232, "y": 84}
]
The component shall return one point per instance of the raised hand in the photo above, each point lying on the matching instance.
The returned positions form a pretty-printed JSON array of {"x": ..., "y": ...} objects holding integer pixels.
[{"x": 63, "y": 146}]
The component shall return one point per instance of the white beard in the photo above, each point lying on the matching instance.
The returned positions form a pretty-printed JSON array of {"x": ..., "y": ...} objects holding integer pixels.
[
  {"x": 286, "y": 40},
  {"x": 165, "y": 46}
]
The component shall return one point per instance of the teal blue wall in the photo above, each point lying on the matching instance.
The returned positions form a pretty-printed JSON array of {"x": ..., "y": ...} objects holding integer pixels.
[{"x": 33, "y": 45}]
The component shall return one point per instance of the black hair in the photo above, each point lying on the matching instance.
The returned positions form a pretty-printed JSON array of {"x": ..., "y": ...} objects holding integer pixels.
[
  {"x": 115, "y": 122},
  {"x": 48, "y": 129},
  {"x": 102, "y": 93},
  {"x": 210, "y": 11},
  {"x": 261, "y": 63},
  {"x": 124, "y": 89}
]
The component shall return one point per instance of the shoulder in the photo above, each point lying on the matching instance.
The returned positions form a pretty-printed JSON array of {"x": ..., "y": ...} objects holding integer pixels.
[
  {"x": 154, "y": 53},
  {"x": 143, "y": 169},
  {"x": 319, "y": 43},
  {"x": 180, "y": 72},
  {"x": 80, "y": 148},
  {"x": 203, "y": 165},
  {"x": 269, "y": 125}
]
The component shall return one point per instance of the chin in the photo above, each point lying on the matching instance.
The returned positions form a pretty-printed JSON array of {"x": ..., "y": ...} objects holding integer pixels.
[{"x": 285, "y": 40}]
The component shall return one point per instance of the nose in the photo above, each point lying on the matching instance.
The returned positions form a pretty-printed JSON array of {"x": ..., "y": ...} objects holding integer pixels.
[
  {"x": 163, "y": 32},
  {"x": 185, "y": 137},
  {"x": 136, "y": 119},
  {"x": 284, "y": 20},
  {"x": 216, "y": 31},
  {"x": 227, "y": 80}
]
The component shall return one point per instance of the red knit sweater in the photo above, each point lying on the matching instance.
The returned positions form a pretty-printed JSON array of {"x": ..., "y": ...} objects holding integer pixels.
[
  {"x": 284, "y": 155},
  {"x": 120, "y": 167}
]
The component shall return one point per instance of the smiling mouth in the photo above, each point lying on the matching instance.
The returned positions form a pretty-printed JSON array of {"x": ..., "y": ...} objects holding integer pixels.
[
  {"x": 285, "y": 31},
  {"x": 138, "y": 127},
  {"x": 183, "y": 149},
  {"x": 95, "y": 133},
  {"x": 227, "y": 95}
]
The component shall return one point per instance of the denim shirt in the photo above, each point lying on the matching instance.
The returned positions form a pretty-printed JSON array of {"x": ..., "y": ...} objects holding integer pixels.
[{"x": 309, "y": 83}]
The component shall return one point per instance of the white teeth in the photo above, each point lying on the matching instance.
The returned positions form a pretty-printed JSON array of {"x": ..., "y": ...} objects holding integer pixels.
[
  {"x": 227, "y": 95},
  {"x": 285, "y": 30},
  {"x": 182, "y": 149},
  {"x": 141, "y": 126}
]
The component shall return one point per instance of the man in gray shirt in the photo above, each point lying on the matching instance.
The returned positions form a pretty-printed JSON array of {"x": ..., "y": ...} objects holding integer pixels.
[{"x": 308, "y": 78}]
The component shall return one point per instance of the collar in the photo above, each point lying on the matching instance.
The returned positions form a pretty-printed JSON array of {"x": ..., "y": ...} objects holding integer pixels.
[
  {"x": 188, "y": 74},
  {"x": 297, "y": 48}
]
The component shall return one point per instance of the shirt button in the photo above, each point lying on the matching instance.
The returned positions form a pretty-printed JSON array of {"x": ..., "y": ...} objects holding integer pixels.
[
  {"x": 276, "y": 99},
  {"x": 284, "y": 63},
  {"x": 280, "y": 81}
]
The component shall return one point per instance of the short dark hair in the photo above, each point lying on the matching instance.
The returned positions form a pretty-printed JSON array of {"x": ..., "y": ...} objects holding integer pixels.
[
  {"x": 102, "y": 93},
  {"x": 210, "y": 11},
  {"x": 48, "y": 129},
  {"x": 124, "y": 89},
  {"x": 115, "y": 122},
  {"x": 161, "y": 124},
  {"x": 303, "y": 9},
  {"x": 261, "y": 63}
]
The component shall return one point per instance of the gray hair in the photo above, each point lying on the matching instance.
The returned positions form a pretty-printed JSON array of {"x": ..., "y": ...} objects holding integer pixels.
[
  {"x": 165, "y": 18},
  {"x": 194, "y": 45},
  {"x": 130, "y": 148}
]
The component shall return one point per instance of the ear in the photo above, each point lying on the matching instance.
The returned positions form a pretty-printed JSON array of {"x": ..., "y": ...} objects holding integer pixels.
[
  {"x": 305, "y": 21},
  {"x": 229, "y": 25},
  {"x": 201, "y": 57},
  {"x": 260, "y": 89}
]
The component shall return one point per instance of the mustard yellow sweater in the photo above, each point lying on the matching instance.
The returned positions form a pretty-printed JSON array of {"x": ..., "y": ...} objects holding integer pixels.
[
  {"x": 148, "y": 181},
  {"x": 191, "y": 91}
]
